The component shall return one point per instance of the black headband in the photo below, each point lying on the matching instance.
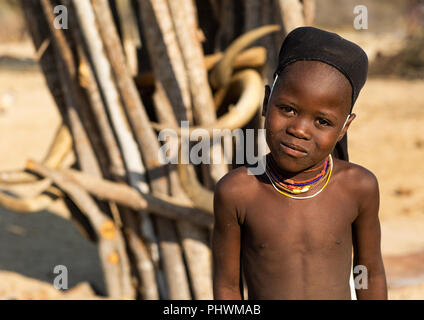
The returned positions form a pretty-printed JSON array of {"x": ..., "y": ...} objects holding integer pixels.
[{"x": 309, "y": 43}]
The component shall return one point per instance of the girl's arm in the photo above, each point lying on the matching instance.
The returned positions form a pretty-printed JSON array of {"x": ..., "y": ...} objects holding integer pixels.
[
  {"x": 366, "y": 241},
  {"x": 226, "y": 243}
]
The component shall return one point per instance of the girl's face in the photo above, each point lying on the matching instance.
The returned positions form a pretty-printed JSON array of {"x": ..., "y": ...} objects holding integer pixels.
[{"x": 306, "y": 111}]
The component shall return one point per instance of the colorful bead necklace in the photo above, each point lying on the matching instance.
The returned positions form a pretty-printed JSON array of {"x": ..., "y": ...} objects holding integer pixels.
[
  {"x": 327, "y": 175},
  {"x": 292, "y": 186},
  {"x": 273, "y": 166}
]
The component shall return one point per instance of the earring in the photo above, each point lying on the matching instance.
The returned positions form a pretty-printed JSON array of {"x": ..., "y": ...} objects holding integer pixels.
[
  {"x": 346, "y": 120},
  {"x": 272, "y": 88}
]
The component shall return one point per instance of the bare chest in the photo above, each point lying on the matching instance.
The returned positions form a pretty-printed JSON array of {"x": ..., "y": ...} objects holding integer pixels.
[{"x": 322, "y": 224}]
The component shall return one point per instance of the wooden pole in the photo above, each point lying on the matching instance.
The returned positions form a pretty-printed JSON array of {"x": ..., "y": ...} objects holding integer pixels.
[
  {"x": 309, "y": 11},
  {"x": 165, "y": 55},
  {"x": 117, "y": 278},
  {"x": 291, "y": 12},
  {"x": 194, "y": 239},
  {"x": 131, "y": 155},
  {"x": 88, "y": 81},
  {"x": 110, "y": 241},
  {"x": 184, "y": 16},
  {"x": 149, "y": 146}
]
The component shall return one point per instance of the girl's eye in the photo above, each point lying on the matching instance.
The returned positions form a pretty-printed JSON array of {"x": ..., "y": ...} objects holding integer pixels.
[
  {"x": 286, "y": 108},
  {"x": 323, "y": 122}
]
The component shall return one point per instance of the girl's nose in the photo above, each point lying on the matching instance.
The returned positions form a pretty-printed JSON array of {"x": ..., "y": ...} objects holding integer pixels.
[{"x": 299, "y": 128}]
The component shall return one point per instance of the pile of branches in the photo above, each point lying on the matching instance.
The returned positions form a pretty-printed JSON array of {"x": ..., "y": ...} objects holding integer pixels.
[{"x": 117, "y": 77}]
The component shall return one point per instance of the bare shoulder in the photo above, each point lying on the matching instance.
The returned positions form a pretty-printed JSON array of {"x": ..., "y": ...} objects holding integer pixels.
[
  {"x": 364, "y": 177},
  {"x": 235, "y": 183},
  {"x": 232, "y": 191},
  {"x": 359, "y": 181}
]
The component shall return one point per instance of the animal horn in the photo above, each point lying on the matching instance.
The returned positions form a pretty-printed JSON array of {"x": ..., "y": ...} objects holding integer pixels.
[
  {"x": 221, "y": 73},
  {"x": 250, "y": 83}
]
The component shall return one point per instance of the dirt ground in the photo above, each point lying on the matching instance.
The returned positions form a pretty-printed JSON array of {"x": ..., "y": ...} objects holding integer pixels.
[{"x": 386, "y": 137}]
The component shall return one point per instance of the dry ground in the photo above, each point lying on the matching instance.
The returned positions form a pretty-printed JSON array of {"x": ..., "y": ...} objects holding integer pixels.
[{"x": 387, "y": 137}]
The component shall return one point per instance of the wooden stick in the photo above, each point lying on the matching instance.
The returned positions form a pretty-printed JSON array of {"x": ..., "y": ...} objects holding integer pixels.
[
  {"x": 129, "y": 37},
  {"x": 194, "y": 239},
  {"x": 269, "y": 16},
  {"x": 166, "y": 206},
  {"x": 25, "y": 205},
  {"x": 145, "y": 136},
  {"x": 291, "y": 12},
  {"x": 89, "y": 83},
  {"x": 67, "y": 74},
  {"x": 185, "y": 25},
  {"x": 60, "y": 147},
  {"x": 40, "y": 32},
  {"x": 225, "y": 32},
  {"x": 309, "y": 11},
  {"x": 149, "y": 146},
  {"x": 165, "y": 55},
  {"x": 131, "y": 155},
  {"x": 143, "y": 264},
  {"x": 149, "y": 287},
  {"x": 111, "y": 244},
  {"x": 104, "y": 75},
  {"x": 117, "y": 278},
  {"x": 252, "y": 13}
]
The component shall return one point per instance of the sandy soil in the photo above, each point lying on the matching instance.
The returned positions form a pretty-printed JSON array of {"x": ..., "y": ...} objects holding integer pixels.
[
  {"x": 386, "y": 137},
  {"x": 31, "y": 245}
]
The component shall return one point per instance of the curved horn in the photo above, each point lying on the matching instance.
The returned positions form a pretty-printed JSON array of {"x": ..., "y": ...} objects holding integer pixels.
[
  {"x": 250, "y": 83},
  {"x": 221, "y": 74},
  {"x": 250, "y": 58},
  {"x": 201, "y": 197}
]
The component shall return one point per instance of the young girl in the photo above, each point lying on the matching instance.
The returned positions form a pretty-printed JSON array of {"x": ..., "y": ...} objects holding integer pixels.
[{"x": 291, "y": 230}]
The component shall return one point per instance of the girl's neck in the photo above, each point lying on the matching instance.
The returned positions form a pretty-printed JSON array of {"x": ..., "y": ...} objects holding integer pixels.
[{"x": 306, "y": 174}]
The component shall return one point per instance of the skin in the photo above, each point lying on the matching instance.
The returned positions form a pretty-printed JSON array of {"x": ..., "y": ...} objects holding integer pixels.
[{"x": 299, "y": 249}]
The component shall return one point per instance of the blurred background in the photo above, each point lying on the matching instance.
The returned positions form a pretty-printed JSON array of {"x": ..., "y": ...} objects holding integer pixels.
[{"x": 387, "y": 137}]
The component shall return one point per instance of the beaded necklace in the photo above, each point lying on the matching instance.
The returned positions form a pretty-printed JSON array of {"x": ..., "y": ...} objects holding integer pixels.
[
  {"x": 327, "y": 175},
  {"x": 273, "y": 168},
  {"x": 292, "y": 186}
]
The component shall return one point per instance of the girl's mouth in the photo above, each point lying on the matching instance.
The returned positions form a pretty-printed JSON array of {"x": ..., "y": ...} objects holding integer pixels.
[{"x": 292, "y": 152}]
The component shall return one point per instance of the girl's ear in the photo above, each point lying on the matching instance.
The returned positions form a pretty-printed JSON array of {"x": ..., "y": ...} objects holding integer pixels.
[
  {"x": 266, "y": 97},
  {"x": 349, "y": 121}
]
